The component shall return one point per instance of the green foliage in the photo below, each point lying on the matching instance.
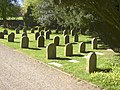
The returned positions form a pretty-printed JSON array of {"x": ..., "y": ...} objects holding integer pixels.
[{"x": 8, "y": 8}]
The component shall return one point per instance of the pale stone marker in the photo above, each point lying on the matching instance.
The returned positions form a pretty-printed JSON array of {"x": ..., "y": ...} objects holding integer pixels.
[
  {"x": 82, "y": 47},
  {"x": 1, "y": 35},
  {"x": 65, "y": 32},
  {"x": 36, "y": 35},
  {"x": 91, "y": 62},
  {"x": 24, "y": 42},
  {"x": 66, "y": 39},
  {"x": 68, "y": 49},
  {"x": 51, "y": 51},
  {"x": 42, "y": 33},
  {"x": 47, "y": 35},
  {"x": 94, "y": 43},
  {"x": 5, "y": 32},
  {"x": 75, "y": 38},
  {"x": 11, "y": 37},
  {"x": 40, "y": 41},
  {"x": 56, "y": 40}
]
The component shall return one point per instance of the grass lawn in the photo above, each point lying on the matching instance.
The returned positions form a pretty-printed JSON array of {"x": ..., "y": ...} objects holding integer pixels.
[{"x": 109, "y": 59}]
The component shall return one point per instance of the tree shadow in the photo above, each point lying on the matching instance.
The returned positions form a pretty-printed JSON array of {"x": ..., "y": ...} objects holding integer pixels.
[
  {"x": 78, "y": 55},
  {"x": 60, "y": 58},
  {"x": 34, "y": 48},
  {"x": 16, "y": 42},
  {"x": 103, "y": 70}
]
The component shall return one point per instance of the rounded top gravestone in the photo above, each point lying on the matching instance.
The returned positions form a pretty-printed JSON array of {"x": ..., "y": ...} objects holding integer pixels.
[
  {"x": 56, "y": 40},
  {"x": 5, "y": 32}
]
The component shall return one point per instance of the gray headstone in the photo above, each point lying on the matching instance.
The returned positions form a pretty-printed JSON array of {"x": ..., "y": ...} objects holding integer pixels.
[
  {"x": 17, "y": 31},
  {"x": 51, "y": 51},
  {"x": 91, "y": 62},
  {"x": 40, "y": 41},
  {"x": 32, "y": 30},
  {"x": 94, "y": 43},
  {"x": 82, "y": 47},
  {"x": 68, "y": 49},
  {"x": 76, "y": 38},
  {"x": 1, "y": 35},
  {"x": 5, "y": 32},
  {"x": 41, "y": 33},
  {"x": 66, "y": 39},
  {"x": 11, "y": 37},
  {"x": 50, "y": 31},
  {"x": 47, "y": 35},
  {"x": 36, "y": 35},
  {"x": 73, "y": 32},
  {"x": 56, "y": 40},
  {"x": 24, "y": 34},
  {"x": 24, "y": 42},
  {"x": 65, "y": 32}
]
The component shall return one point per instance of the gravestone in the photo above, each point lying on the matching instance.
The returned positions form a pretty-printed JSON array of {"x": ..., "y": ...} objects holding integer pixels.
[
  {"x": 32, "y": 30},
  {"x": 1, "y": 35},
  {"x": 42, "y": 33},
  {"x": 73, "y": 32},
  {"x": 94, "y": 43},
  {"x": 11, "y": 37},
  {"x": 47, "y": 35},
  {"x": 24, "y": 42},
  {"x": 17, "y": 31},
  {"x": 66, "y": 39},
  {"x": 68, "y": 49},
  {"x": 56, "y": 40},
  {"x": 51, "y": 51},
  {"x": 36, "y": 35},
  {"x": 50, "y": 31},
  {"x": 24, "y": 34},
  {"x": 91, "y": 62},
  {"x": 65, "y": 32},
  {"x": 82, "y": 47},
  {"x": 40, "y": 41},
  {"x": 5, "y": 32},
  {"x": 76, "y": 38}
]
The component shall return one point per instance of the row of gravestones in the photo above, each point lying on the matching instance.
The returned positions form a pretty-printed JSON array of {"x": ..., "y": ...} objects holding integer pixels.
[{"x": 91, "y": 60}]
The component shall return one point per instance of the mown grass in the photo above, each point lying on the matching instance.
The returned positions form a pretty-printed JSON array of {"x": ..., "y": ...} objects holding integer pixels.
[{"x": 109, "y": 80}]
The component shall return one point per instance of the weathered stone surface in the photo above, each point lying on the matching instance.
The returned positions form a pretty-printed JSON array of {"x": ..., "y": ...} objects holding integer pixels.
[
  {"x": 76, "y": 37},
  {"x": 24, "y": 34},
  {"x": 50, "y": 31},
  {"x": 40, "y": 41},
  {"x": 1, "y": 35},
  {"x": 56, "y": 40},
  {"x": 91, "y": 62},
  {"x": 51, "y": 51},
  {"x": 5, "y": 32},
  {"x": 94, "y": 43},
  {"x": 68, "y": 49},
  {"x": 36, "y": 35},
  {"x": 17, "y": 31},
  {"x": 24, "y": 42},
  {"x": 66, "y": 39},
  {"x": 82, "y": 47},
  {"x": 41, "y": 33},
  {"x": 47, "y": 35},
  {"x": 65, "y": 32},
  {"x": 11, "y": 37},
  {"x": 73, "y": 32}
]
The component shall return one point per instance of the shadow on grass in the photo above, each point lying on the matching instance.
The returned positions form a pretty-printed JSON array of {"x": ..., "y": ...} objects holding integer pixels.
[
  {"x": 74, "y": 43},
  {"x": 16, "y": 42},
  {"x": 60, "y": 58},
  {"x": 34, "y": 48},
  {"x": 78, "y": 55},
  {"x": 103, "y": 70},
  {"x": 62, "y": 45},
  {"x": 50, "y": 39},
  {"x": 88, "y": 42},
  {"x": 88, "y": 51}
]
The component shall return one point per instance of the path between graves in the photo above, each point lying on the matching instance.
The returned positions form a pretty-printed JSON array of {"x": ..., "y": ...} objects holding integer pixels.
[{"x": 20, "y": 72}]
